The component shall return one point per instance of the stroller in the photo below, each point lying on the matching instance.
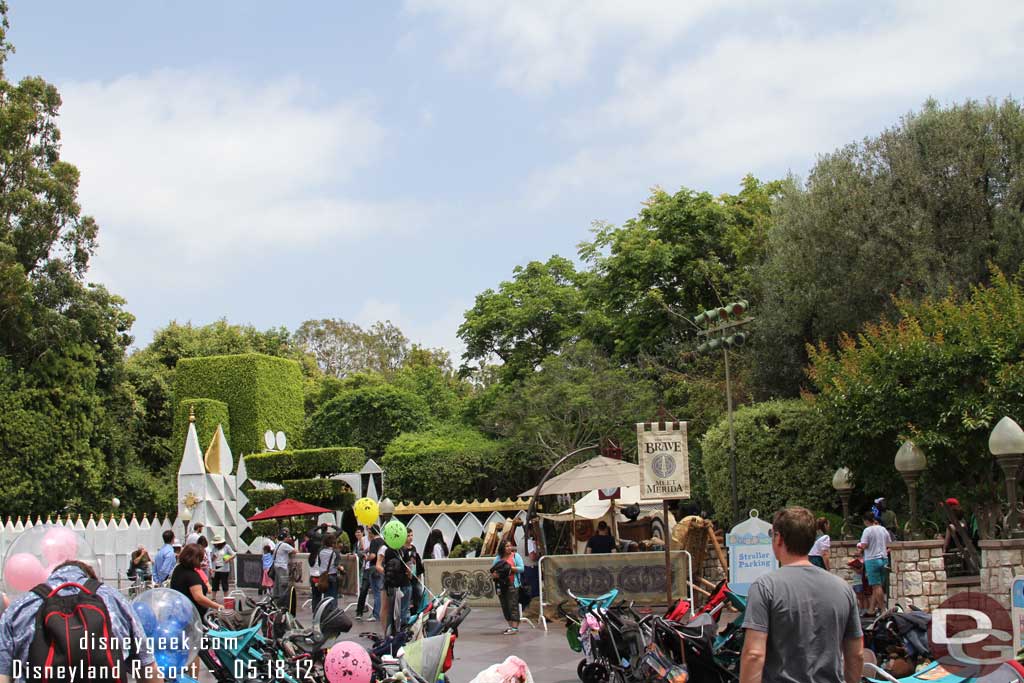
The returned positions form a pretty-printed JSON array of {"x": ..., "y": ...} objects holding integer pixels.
[
  {"x": 242, "y": 655},
  {"x": 422, "y": 661}
]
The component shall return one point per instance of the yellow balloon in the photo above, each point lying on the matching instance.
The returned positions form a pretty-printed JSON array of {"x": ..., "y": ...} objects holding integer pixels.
[{"x": 366, "y": 511}]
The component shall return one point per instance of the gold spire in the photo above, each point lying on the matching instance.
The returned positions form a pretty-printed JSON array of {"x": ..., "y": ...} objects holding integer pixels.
[
  {"x": 212, "y": 458},
  {"x": 192, "y": 413}
]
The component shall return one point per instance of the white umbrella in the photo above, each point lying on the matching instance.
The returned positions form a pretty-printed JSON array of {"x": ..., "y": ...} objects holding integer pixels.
[{"x": 597, "y": 473}]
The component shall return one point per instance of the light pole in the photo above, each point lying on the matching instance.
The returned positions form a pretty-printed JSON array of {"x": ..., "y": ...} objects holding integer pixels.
[
  {"x": 842, "y": 482},
  {"x": 910, "y": 462},
  {"x": 1007, "y": 443},
  {"x": 721, "y": 330}
]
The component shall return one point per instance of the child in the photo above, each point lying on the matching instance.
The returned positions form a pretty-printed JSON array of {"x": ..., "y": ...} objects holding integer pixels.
[{"x": 266, "y": 583}]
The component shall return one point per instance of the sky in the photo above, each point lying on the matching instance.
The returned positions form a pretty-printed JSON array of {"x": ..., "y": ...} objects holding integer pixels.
[{"x": 271, "y": 163}]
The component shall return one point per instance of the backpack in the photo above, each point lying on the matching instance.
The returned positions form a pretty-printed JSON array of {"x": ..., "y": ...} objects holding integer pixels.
[{"x": 66, "y": 623}]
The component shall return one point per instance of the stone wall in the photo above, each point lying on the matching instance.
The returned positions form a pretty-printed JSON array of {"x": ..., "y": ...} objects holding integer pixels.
[
  {"x": 918, "y": 574},
  {"x": 1000, "y": 562}
]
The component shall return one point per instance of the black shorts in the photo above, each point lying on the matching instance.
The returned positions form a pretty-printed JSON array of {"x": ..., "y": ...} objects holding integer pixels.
[{"x": 220, "y": 579}]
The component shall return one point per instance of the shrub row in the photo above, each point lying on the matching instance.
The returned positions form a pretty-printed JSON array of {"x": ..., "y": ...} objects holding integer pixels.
[{"x": 304, "y": 464}]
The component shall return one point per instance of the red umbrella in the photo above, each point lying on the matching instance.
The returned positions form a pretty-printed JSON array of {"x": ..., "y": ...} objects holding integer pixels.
[{"x": 288, "y": 508}]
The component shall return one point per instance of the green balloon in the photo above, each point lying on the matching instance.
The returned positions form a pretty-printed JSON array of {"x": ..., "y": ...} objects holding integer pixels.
[{"x": 395, "y": 534}]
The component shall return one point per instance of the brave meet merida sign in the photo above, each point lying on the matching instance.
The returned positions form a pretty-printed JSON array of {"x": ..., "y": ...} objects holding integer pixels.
[{"x": 664, "y": 460}]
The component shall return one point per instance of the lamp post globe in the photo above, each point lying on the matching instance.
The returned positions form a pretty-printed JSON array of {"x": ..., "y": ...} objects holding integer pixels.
[
  {"x": 1007, "y": 445},
  {"x": 910, "y": 462},
  {"x": 387, "y": 508},
  {"x": 842, "y": 482}
]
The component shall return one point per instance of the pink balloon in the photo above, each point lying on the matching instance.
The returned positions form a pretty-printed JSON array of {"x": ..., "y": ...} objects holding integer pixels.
[
  {"x": 23, "y": 572},
  {"x": 59, "y": 545},
  {"x": 348, "y": 662}
]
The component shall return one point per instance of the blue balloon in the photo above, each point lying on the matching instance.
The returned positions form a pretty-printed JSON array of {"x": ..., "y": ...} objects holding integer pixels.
[{"x": 146, "y": 617}]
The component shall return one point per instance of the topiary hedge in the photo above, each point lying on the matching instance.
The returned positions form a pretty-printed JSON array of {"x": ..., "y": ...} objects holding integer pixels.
[
  {"x": 209, "y": 413},
  {"x": 369, "y": 417},
  {"x": 782, "y": 458},
  {"x": 448, "y": 462},
  {"x": 302, "y": 464},
  {"x": 328, "y": 493},
  {"x": 261, "y": 392}
]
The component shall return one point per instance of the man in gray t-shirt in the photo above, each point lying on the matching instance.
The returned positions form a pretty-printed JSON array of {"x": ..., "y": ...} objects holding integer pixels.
[{"x": 801, "y": 622}]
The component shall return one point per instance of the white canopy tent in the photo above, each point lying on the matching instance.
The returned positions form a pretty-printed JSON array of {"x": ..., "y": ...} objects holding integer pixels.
[{"x": 591, "y": 506}]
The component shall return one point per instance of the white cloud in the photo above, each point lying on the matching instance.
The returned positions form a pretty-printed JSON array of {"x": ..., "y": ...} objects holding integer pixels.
[
  {"x": 183, "y": 169},
  {"x": 698, "y": 92},
  {"x": 536, "y": 45}
]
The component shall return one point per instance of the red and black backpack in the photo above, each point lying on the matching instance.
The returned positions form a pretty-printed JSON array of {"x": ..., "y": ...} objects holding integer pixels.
[{"x": 75, "y": 631}]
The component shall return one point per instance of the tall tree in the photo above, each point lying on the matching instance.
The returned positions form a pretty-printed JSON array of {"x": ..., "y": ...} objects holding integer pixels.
[
  {"x": 342, "y": 348},
  {"x": 65, "y": 401},
  {"x": 528, "y": 318},
  {"x": 684, "y": 251},
  {"x": 919, "y": 209}
]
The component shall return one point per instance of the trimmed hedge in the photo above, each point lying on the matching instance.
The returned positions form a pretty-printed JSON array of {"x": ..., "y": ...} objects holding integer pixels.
[
  {"x": 261, "y": 499},
  {"x": 782, "y": 458},
  {"x": 261, "y": 392},
  {"x": 327, "y": 493},
  {"x": 304, "y": 464},
  {"x": 449, "y": 462},
  {"x": 209, "y": 413}
]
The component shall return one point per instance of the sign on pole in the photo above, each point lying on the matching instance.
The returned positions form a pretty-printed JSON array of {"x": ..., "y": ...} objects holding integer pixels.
[
  {"x": 664, "y": 460},
  {"x": 750, "y": 553}
]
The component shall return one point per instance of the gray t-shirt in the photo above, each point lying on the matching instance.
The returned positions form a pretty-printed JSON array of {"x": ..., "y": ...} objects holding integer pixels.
[
  {"x": 875, "y": 540},
  {"x": 807, "y": 614}
]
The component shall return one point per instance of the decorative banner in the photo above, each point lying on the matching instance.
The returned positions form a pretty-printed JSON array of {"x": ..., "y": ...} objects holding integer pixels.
[
  {"x": 664, "y": 461},
  {"x": 750, "y": 553},
  {"x": 640, "y": 577},
  {"x": 609, "y": 494},
  {"x": 470, "y": 576}
]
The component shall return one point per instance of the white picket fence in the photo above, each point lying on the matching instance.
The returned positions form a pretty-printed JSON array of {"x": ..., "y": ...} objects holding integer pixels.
[{"x": 112, "y": 540}]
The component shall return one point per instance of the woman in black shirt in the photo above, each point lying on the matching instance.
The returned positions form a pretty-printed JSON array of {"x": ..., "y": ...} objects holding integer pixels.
[{"x": 186, "y": 580}]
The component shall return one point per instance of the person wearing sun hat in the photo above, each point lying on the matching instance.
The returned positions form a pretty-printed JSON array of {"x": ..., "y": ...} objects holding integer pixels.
[{"x": 222, "y": 554}]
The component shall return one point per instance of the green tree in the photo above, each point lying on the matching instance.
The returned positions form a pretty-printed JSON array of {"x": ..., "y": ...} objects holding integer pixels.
[
  {"x": 527, "y": 318},
  {"x": 783, "y": 457},
  {"x": 577, "y": 398},
  {"x": 942, "y": 374},
  {"x": 445, "y": 463},
  {"x": 429, "y": 374},
  {"x": 67, "y": 412},
  {"x": 682, "y": 252},
  {"x": 342, "y": 348},
  {"x": 920, "y": 208},
  {"x": 369, "y": 417}
]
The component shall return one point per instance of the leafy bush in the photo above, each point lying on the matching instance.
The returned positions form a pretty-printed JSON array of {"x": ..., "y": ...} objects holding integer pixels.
[
  {"x": 209, "y": 413},
  {"x": 261, "y": 392},
  {"x": 943, "y": 374},
  {"x": 782, "y": 458},
  {"x": 445, "y": 463},
  {"x": 302, "y": 464},
  {"x": 473, "y": 545},
  {"x": 368, "y": 417},
  {"x": 328, "y": 493}
]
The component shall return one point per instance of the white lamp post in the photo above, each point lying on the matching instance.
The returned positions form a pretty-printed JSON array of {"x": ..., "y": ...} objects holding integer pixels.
[
  {"x": 387, "y": 508},
  {"x": 1007, "y": 443},
  {"x": 910, "y": 462},
  {"x": 842, "y": 482}
]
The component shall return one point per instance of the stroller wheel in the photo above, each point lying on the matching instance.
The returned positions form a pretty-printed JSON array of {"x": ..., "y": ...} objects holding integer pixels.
[
  {"x": 595, "y": 672},
  {"x": 579, "y": 669}
]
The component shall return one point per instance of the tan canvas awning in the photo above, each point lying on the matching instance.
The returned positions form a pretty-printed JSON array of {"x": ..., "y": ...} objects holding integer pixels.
[{"x": 597, "y": 473}]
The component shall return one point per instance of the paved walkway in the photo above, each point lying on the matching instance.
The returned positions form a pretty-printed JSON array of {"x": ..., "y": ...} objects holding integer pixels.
[{"x": 481, "y": 644}]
